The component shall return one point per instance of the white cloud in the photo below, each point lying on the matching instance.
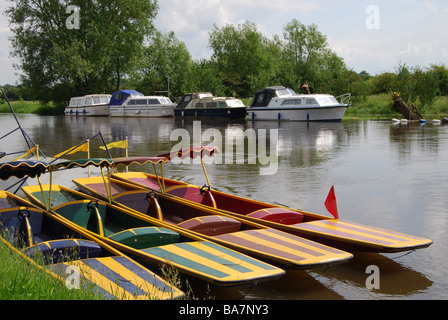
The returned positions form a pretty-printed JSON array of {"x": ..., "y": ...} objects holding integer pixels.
[{"x": 411, "y": 31}]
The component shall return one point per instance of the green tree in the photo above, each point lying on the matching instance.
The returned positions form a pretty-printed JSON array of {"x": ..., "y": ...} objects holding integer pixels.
[
  {"x": 306, "y": 56},
  {"x": 442, "y": 75},
  {"x": 383, "y": 83},
  {"x": 206, "y": 78},
  {"x": 241, "y": 56},
  {"x": 427, "y": 87},
  {"x": 166, "y": 61},
  {"x": 60, "y": 58},
  {"x": 405, "y": 84}
]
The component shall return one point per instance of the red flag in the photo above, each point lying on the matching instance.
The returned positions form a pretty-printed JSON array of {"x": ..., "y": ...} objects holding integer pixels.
[{"x": 330, "y": 203}]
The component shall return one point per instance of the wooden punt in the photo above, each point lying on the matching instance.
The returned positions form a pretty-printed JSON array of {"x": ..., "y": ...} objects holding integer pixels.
[
  {"x": 54, "y": 245},
  {"x": 338, "y": 233},
  {"x": 133, "y": 235},
  {"x": 259, "y": 241}
]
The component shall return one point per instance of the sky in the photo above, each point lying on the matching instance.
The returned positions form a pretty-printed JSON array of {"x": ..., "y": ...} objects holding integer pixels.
[{"x": 370, "y": 35}]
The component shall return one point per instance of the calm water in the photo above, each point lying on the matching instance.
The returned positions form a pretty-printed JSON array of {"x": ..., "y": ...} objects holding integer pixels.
[{"x": 387, "y": 175}]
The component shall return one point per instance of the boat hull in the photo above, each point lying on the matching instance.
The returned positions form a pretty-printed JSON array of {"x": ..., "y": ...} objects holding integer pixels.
[
  {"x": 253, "y": 239},
  {"x": 335, "y": 113},
  {"x": 88, "y": 111},
  {"x": 144, "y": 112},
  {"x": 231, "y": 113},
  {"x": 133, "y": 235},
  {"x": 344, "y": 235}
]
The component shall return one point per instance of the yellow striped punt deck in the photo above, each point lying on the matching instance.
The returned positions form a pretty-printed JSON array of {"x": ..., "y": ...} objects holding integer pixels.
[
  {"x": 114, "y": 278},
  {"x": 283, "y": 248},
  {"x": 223, "y": 265},
  {"x": 353, "y": 234}
]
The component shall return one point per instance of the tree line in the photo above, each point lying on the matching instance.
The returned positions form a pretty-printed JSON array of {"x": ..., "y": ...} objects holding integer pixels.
[{"x": 117, "y": 46}]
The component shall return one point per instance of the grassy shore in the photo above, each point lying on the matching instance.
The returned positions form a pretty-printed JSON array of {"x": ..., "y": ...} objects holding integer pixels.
[
  {"x": 35, "y": 107},
  {"x": 380, "y": 107},
  {"x": 22, "y": 280},
  {"x": 376, "y": 107}
]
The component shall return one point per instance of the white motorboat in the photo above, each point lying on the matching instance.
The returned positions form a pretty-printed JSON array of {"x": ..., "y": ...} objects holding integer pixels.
[
  {"x": 131, "y": 103},
  {"x": 280, "y": 103},
  {"x": 89, "y": 105}
]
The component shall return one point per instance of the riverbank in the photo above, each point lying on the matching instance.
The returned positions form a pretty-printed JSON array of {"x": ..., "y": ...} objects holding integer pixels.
[
  {"x": 376, "y": 107},
  {"x": 22, "y": 280},
  {"x": 380, "y": 107}
]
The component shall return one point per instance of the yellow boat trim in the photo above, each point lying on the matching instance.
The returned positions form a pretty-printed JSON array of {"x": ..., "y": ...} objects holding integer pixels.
[
  {"x": 149, "y": 288},
  {"x": 236, "y": 261},
  {"x": 113, "y": 287},
  {"x": 300, "y": 256},
  {"x": 207, "y": 262},
  {"x": 355, "y": 232}
]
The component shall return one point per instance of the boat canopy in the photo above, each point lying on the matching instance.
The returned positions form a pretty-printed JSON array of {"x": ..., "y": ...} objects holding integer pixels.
[
  {"x": 139, "y": 160},
  {"x": 192, "y": 152},
  {"x": 21, "y": 169},
  {"x": 120, "y": 96},
  {"x": 82, "y": 163},
  {"x": 263, "y": 97}
]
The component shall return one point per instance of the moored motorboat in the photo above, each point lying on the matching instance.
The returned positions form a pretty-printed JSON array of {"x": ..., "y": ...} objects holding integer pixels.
[
  {"x": 56, "y": 246},
  {"x": 89, "y": 106},
  {"x": 131, "y": 103},
  {"x": 206, "y": 105},
  {"x": 152, "y": 242},
  {"x": 280, "y": 103},
  {"x": 338, "y": 233}
]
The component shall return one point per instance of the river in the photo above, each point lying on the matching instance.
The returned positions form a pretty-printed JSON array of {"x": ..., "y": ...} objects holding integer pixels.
[{"x": 387, "y": 175}]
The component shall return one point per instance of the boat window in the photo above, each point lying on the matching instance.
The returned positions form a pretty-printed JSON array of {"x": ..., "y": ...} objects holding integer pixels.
[
  {"x": 211, "y": 105},
  {"x": 131, "y": 102},
  {"x": 153, "y": 101},
  {"x": 292, "y": 102},
  {"x": 333, "y": 99},
  {"x": 104, "y": 99},
  {"x": 311, "y": 102},
  {"x": 96, "y": 100},
  {"x": 80, "y": 102},
  {"x": 89, "y": 101},
  {"x": 199, "y": 105},
  {"x": 291, "y": 91},
  {"x": 282, "y": 93},
  {"x": 222, "y": 104},
  {"x": 140, "y": 101}
]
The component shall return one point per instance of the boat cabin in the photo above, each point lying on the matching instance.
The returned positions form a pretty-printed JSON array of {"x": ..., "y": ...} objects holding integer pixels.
[
  {"x": 89, "y": 105},
  {"x": 202, "y": 100},
  {"x": 131, "y": 103}
]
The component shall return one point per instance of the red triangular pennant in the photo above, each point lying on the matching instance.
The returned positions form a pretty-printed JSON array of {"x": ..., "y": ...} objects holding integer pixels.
[{"x": 330, "y": 203}]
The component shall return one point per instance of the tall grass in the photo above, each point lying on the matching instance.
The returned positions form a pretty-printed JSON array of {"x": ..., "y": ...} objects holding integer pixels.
[
  {"x": 380, "y": 107},
  {"x": 23, "y": 280},
  {"x": 35, "y": 107}
]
